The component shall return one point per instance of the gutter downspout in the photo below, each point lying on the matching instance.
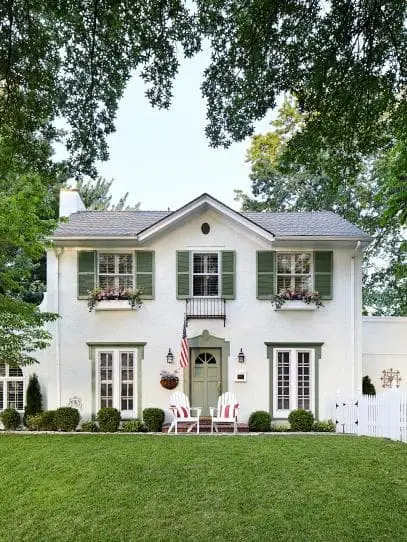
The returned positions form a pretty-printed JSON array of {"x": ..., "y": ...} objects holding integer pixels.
[
  {"x": 58, "y": 252},
  {"x": 353, "y": 307}
]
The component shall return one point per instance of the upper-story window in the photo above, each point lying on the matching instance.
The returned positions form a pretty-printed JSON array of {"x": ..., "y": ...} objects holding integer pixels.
[
  {"x": 205, "y": 274},
  {"x": 205, "y": 277},
  {"x": 297, "y": 272},
  {"x": 115, "y": 271},
  {"x": 11, "y": 387},
  {"x": 294, "y": 271}
]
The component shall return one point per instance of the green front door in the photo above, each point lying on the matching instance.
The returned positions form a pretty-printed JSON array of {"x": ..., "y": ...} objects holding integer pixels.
[{"x": 206, "y": 378}]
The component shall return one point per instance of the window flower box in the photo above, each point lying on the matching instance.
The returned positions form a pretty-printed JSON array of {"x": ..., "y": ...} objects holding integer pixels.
[
  {"x": 288, "y": 300},
  {"x": 114, "y": 299}
]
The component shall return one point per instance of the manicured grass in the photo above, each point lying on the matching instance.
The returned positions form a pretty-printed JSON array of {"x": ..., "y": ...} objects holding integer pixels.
[{"x": 146, "y": 487}]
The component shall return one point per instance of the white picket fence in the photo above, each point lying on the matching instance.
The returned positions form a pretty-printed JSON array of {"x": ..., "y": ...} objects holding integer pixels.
[{"x": 381, "y": 415}]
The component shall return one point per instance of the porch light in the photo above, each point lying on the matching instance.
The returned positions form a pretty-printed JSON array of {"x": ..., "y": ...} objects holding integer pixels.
[
  {"x": 170, "y": 356},
  {"x": 240, "y": 356}
]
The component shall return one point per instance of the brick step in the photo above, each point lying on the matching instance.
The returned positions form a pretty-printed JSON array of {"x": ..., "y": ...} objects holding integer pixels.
[{"x": 205, "y": 427}]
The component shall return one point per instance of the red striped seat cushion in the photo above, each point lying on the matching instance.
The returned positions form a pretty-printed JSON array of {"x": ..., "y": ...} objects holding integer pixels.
[
  {"x": 228, "y": 411},
  {"x": 181, "y": 411}
]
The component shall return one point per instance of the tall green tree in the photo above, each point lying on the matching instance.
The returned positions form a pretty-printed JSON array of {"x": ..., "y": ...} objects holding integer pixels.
[
  {"x": 280, "y": 184},
  {"x": 95, "y": 194},
  {"x": 24, "y": 225},
  {"x": 33, "y": 402}
]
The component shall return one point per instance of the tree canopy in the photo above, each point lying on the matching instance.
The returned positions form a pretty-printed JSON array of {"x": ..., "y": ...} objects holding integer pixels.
[{"x": 346, "y": 61}]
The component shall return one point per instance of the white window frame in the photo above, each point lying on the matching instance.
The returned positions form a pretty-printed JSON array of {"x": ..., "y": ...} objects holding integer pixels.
[
  {"x": 117, "y": 379},
  {"x": 292, "y": 275},
  {"x": 293, "y": 380},
  {"x": 4, "y": 383},
  {"x": 116, "y": 274},
  {"x": 218, "y": 274}
]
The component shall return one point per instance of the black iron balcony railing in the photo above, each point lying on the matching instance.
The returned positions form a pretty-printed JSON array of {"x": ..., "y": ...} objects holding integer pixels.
[{"x": 206, "y": 307}]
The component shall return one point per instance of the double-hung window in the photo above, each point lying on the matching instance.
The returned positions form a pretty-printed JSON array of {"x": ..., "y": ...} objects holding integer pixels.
[
  {"x": 11, "y": 387},
  {"x": 294, "y": 271},
  {"x": 293, "y": 380},
  {"x": 205, "y": 274},
  {"x": 205, "y": 278},
  {"x": 116, "y": 381},
  {"x": 298, "y": 272},
  {"x": 115, "y": 271}
]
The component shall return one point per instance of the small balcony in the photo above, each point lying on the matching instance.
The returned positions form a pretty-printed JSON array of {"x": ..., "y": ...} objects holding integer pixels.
[{"x": 206, "y": 307}]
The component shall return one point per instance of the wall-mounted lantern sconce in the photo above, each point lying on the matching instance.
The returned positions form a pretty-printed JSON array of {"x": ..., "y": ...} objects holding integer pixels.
[
  {"x": 170, "y": 356},
  {"x": 390, "y": 376},
  {"x": 240, "y": 356}
]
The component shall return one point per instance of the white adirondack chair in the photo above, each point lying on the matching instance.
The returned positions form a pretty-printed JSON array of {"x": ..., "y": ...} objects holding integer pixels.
[
  {"x": 225, "y": 412},
  {"x": 182, "y": 412}
]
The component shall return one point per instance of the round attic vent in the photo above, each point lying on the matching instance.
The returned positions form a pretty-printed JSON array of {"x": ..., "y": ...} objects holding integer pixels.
[{"x": 205, "y": 228}]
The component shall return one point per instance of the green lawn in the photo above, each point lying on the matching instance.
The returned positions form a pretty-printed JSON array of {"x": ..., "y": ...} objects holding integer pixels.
[{"x": 146, "y": 487}]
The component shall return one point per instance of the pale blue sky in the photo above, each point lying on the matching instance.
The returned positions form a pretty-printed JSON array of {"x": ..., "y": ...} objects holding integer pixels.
[{"x": 162, "y": 158}]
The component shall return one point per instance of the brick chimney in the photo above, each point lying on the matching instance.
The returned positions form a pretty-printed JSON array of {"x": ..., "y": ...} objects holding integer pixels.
[{"x": 70, "y": 202}]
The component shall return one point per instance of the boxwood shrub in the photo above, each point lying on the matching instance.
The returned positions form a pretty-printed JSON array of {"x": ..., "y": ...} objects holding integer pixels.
[
  {"x": 33, "y": 422},
  {"x": 44, "y": 421},
  {"x": 134, "y": 426},
  {"x": 89, "y": 427},
  {"x": 324, "y": 427},
  {"x": 11, "y": 419},
  {"x": 109, "y": 419},
  {"x": 301, "y": 420},
  {"x": 259, "y": 421},
  {"x": 67, "y": 418},
  {"x": 153, "y": 419},
  {"x": 48, "y": 420}
]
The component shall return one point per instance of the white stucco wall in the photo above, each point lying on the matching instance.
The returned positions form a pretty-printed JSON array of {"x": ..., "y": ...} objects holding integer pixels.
[
  {"x": 384, "y": 347},
  {"x": 250, "y": 322}
]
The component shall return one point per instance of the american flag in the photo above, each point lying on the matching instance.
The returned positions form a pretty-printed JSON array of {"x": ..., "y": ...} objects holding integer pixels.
[{"x": 184, "y": 358}]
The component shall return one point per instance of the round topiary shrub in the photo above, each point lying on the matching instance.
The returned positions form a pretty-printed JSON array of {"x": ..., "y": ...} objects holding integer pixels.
[
  {"x": 11, "y": 419},
  {"x": 67, "y": 418},
  {"x": 89, "y": 427},
  {"x": 109, "y": 419},
  {"x": 153, "y": 419},
  {"x": 259, "y": 421},
  {"x": 301, "y": 420},
  {"x": 134, "y": 426}
]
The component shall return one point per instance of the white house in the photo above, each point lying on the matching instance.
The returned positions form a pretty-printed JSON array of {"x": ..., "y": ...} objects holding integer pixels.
[{"x": 217, "y": 268}]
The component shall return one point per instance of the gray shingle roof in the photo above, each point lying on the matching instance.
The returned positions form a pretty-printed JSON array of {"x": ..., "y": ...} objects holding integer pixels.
[
  {"x": 107, "y": 224},
  {"x": 316, "y": 223}
]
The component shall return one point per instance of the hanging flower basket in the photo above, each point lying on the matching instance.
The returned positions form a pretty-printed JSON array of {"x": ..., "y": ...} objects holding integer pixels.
[
  {"x": 168, "y": 380},
  {"x": 168, "y": 384}
]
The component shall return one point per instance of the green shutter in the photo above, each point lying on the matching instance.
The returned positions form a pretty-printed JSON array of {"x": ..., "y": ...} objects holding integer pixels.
[
  {"x": 323, "y": 265},
  {"x": 228, "y": 274},
  {"x": 265, "y": 274},
  {"x": 182, "y": 274},
  {"x": 86, "y": 273},
  {"x": 145, "y": 273}
]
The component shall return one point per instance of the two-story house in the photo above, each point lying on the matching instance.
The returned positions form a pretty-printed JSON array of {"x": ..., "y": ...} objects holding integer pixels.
[{"x": 218, "y": 269}]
